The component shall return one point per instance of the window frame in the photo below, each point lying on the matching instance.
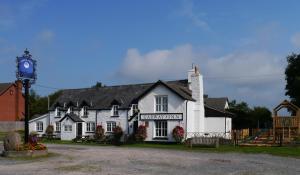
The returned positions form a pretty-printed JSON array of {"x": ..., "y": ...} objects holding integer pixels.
[
  {"x": 161, "y": 103},
  {"x": 39, "y": 126},
  {"x": 90, "y": 126},
  {"x": 115, "y": 110},
  {"x": 68, "y": 128},
  {"x": 57, "y": 112},
  {"x": 110, "y": 125},
  {"x": 57, "y": 127},
  {"x": 161, "y": 129}
]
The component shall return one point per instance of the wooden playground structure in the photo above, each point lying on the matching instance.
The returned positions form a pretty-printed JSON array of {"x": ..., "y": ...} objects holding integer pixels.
[{"x": 286, "y": 128}]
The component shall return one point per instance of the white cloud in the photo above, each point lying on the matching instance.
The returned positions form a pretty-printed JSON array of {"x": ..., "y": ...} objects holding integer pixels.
[
  {"x": 196, "y": 18},
  {"x": 295, "y": 40},
  {"x": 257, "y": 77}
]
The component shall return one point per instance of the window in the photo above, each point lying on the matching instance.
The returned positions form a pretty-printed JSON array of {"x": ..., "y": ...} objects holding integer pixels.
[
  {"x": 134, "y": 108},
  {"x": 110, "y": 126},
  {"x": 39, "y": 126},
  {"x": 161, "y": 103},
  {"x": 70, "y": 110},
  {"x": 161, "y": 129},
  {"x": 115, "y": 110},
  {"x": 57, "y": 126},
  {"x": 90, "y": 127},
  {"x": 84, "y": 111},
  {"x": 58, "y": 112},
  {"x": 68, "y": 128}
]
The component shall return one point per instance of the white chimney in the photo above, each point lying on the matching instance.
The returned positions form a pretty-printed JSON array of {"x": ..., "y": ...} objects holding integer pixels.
[{"x": 195, "y": 80}]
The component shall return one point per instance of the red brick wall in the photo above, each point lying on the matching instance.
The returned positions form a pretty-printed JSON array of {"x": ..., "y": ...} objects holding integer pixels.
[{"x": 12, "y": 103}]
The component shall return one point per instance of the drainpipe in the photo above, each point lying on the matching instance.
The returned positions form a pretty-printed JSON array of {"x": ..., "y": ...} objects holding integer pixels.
[{"x": 186, "y": 114}]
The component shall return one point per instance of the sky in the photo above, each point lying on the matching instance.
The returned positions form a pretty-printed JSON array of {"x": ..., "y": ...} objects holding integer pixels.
[{"x": 240, "y": 46}]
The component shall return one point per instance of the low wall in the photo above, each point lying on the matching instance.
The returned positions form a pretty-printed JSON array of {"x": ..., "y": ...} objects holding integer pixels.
[{"x": 11, "y": 126}]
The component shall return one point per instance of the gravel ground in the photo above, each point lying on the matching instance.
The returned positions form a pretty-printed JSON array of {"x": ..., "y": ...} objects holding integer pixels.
[{"x": 76, "y": 160}]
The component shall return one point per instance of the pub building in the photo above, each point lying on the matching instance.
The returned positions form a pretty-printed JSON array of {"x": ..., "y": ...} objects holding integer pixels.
[{"x": 160, "y": 106}]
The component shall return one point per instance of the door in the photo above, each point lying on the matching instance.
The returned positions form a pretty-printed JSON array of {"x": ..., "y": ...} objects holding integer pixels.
[
  {"x": 135, "y": 126},
  {"x": 79, "y": 129}
]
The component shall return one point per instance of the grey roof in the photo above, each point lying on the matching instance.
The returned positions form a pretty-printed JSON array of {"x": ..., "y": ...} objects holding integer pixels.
[
  {"x": 217, "y": 103},
  {"x": 73, "y": 117},
  {"x": 125, "y": 95},
  {"x": 4, "y": 87}
]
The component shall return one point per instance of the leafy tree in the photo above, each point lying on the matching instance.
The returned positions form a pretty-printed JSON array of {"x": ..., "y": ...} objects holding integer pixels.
[
  {"x": 292, "y": 77},
  {"x": 39, "y": 104},
  {"x": 98, "y": 85},
  {"x": 246, "y": 117}
]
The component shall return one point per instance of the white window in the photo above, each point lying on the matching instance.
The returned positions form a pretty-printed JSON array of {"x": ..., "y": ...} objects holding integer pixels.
[
  {"x": 70, "y": 110},
  {"x": 110, "y": 126},
  {"x": 68, "y": 128},
  {"x": 90, "y": 127},
  {"x": 115, "y": 110},
  {"x": 39, "y": 126},
  {"x": 161, "y": 129},
  {"x": 58, "y": 112},
  {"x": 57, "y": 126},
  {"x": 161, "y": 103},
  {"x": 84, "y": 111}
]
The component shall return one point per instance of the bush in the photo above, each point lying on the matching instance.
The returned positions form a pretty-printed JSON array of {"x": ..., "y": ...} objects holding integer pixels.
[
  {"x": 117, "y": 134},
  {"x": 50, "y": 130},
  {"x": 99, "y": 133},
  {"x": 178, "y": 134},
  {"x": 141, "y": 133}
]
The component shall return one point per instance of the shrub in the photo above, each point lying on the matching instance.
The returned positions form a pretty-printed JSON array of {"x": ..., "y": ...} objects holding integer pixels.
[
  {"x": 50, "y": 130},
  {"x": 99, "y": 133},
  {"x": 141, "y": 133},
  {"x": 178, "y": 134},
  {"x": 117, "y": 133}
]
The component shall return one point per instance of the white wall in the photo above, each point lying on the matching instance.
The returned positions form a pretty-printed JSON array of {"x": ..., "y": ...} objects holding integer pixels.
[
  {"x": 104, "y": 116},
  {"x": 44, "y": 119},
  {"x": 68, "y": 135},
  {"x": 217, "y": 125},
  {"x": 175, "y": 105}
]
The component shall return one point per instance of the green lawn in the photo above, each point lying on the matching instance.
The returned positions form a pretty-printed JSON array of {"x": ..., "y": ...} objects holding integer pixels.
[{"x": 278, "y": 151}]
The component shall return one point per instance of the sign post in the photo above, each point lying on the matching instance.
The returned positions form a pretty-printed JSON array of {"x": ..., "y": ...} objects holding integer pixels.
[{"x": 26, "y": 72}]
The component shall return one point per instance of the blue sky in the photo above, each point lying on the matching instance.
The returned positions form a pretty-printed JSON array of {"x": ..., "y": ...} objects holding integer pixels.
[{"x": 240, "y": 46}]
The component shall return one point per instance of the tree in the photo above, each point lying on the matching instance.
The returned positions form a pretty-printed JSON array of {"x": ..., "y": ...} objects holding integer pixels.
[
  {"x": 98, "y": 85},
  {"x": 246, "y": 117},
  {"x": 38, "y": 104},
  {"x": 292, "y": 77}
]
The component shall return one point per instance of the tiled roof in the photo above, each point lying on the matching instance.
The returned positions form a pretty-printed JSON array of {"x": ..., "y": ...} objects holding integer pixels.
[
  {"x": 4, "y": 87},
  {"x": 125, "y": 95},
  {"x": 73, "y": 117}
]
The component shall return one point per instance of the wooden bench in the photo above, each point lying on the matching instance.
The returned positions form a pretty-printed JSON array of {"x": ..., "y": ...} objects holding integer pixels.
[{"x": 204, "y": 141}]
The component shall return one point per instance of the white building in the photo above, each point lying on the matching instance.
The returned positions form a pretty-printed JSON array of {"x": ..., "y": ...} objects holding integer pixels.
[{"x": 160, "y": 106}]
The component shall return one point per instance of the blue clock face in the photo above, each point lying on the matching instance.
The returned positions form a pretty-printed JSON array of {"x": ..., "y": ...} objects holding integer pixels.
[{"x": 26, "y": 68}]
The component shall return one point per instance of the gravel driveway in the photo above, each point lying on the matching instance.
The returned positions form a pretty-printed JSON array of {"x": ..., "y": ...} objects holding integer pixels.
[{"x": 76, "y": 159}]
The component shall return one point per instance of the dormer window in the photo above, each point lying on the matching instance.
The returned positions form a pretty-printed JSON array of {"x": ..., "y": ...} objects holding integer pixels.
[
  {"x": 71, "y": 110},
  {"x": 84, "y": 111},
  {"x": 135, "y": 108},
  {"x": 57, "y": 112},
  {"x": 115, "y": 109}
]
